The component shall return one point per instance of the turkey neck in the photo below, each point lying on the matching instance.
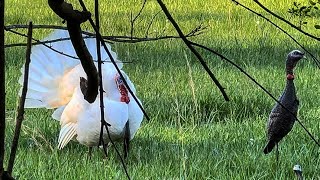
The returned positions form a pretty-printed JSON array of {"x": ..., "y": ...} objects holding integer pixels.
[{"x": 289, "y": 94}]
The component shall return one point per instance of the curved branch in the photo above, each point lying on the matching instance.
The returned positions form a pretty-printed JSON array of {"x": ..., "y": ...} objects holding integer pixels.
[
  {"x": 286, "y": 21},
  {"x": 74, "y": 18}
]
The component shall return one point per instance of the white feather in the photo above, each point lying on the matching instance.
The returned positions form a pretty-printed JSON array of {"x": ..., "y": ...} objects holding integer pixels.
[
  {"x": 67, "y": 132},
  {"x": 58, "y": 113}
]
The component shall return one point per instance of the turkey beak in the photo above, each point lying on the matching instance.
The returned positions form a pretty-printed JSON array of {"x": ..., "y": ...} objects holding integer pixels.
[{"x": 304, "y": 56}]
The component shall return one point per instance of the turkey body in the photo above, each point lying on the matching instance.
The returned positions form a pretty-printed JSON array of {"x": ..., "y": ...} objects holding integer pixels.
[
  {"x": 280, "y": 120},
  {"x": 54, "y": 83}
]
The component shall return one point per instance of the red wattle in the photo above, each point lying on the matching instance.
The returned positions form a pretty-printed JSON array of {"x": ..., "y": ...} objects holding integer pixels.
[
  {"x": 290, "y": 76},
  {"x": 122, "y": 89}
]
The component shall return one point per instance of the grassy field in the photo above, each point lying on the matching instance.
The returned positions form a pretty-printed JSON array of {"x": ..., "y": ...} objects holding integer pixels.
[{"x": 193, "y": 132}]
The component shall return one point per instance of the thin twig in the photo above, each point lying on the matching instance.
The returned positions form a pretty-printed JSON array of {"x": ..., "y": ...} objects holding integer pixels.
[
  {"x": 133, "y": 20},
  {"x": 37, "y": 26},
  {"x": 196, "y": 31},
  {"x": 286, "y": 21},
  {"x": 108, "y": 39},
  {"x": 20, "y": 110},
  {"x": 285, "y": 32},
  {"x": 150, "y": 23},
  {"x": 38, "y": 41},
  {"x": 113, "y": 62},
  {"x": 101, "y": 91},
  {"x": 194, "y": 51},
  {"x": 263, "y": 88},
  {"x": 119, "y": 39},
  {"x": 103, "y": 121}
]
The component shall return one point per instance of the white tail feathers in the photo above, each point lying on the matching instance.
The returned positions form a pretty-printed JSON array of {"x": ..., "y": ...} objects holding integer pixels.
[
  {"x": 67, "y": 132},
  {"x": 52, "y": 75},
  {"x": 58, "y": 113}
]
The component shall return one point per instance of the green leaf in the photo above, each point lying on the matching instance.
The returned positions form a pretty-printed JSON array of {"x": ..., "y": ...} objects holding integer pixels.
[
  {"x": 317, "y": 26},
  {"x": 312, "y": 3}
]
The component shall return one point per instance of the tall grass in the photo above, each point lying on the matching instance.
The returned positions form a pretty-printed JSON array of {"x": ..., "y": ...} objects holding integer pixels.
[{"x": 193, "y": 132}]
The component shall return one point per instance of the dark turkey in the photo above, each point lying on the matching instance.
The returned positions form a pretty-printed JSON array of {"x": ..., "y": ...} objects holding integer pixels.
[{"x": 280, "y": 120}]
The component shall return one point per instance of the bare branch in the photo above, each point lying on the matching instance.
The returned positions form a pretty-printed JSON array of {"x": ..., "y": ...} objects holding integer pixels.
[
  {"x": 133, "y": 20},
  {"x": 36, "y": 26},
  {"x": 2, "y": 91},
  {"x": 20, "y": 109},
  {"x": 74, "y": 18},
  {"x": 285, "y": 32},
  {"x": 196, "y": 31},
  {"x": 150, "y": 23},
  {"x": 103, "y": 121},
  {"x": 194, "y": 51},
  {"x": 108, "y": 39},
  {"x": 43, "y": 43},
  {"x": 286, "y": 21}
]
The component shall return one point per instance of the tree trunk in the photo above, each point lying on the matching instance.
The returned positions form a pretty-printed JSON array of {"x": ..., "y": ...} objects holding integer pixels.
[{"x": 2, "y": 88}]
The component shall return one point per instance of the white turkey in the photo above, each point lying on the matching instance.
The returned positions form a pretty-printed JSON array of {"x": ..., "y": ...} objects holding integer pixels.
[{"x": 54, "y": 82}]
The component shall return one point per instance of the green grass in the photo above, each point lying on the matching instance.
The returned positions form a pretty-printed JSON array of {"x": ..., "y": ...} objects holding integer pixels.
[{"x": 193, "y": 132}]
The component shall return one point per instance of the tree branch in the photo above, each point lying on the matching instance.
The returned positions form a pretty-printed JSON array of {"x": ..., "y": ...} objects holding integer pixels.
[
  {"x": 194, "y": 51},
  {"x": 45, "y": 43},
  {"x": 133, "y": 20},
  {"x": 286, "y": 21},
  {"x": 285, "y": 32},
  {"x": 109, "y": 39},
  {"x": 150, "y": 23},
  {"x": 74, "y": 18},
  {"x": 20, "y": 109},
  {"x": 2, "y": 91},
  {"x": 104, "y": 124}
]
